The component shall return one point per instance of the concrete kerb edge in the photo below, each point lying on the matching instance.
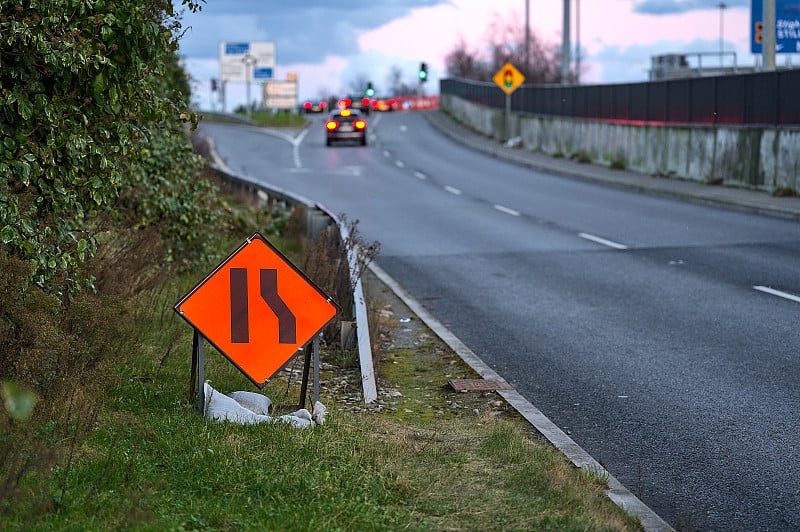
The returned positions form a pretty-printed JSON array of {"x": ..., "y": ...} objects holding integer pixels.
[
  {"x": 618, "y": 493},
  {"x": 359, "y": 302}
]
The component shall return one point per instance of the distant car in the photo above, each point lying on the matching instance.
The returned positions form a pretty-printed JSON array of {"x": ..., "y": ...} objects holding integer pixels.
[
  {"x": 346, "y": 124},
  {"x": 315, "y": 107},
  {"x": 383, "y": 104},
  {"x": 359, "y": 104}
]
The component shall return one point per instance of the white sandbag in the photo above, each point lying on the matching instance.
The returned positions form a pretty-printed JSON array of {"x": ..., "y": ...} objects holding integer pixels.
[
  {"x": 319, "y": 413},
  {"x": 236, "y": 408},
  {"x": 300, "y": 419},
  {"x": 220, "y": 407},
  {"x": 258, "y": 403}
]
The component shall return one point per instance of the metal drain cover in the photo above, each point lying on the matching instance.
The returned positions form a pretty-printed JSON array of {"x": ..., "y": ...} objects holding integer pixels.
[{"x": 477, "y": 385}]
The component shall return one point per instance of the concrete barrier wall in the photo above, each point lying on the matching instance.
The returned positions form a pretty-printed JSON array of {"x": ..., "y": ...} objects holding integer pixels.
[{"x": 763, "y": 158}]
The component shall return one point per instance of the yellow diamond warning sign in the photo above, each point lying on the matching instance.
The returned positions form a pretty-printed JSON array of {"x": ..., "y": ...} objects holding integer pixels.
[{"x": 508, "y": 78}]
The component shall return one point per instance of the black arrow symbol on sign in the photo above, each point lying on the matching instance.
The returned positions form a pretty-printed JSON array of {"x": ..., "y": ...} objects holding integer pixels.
[{"x": 240, "y": 329}]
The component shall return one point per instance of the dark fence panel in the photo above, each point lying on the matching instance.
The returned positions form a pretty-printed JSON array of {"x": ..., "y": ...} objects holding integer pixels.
[
  {"x": 657, "y": 102},
  {"x": 702, "y": 101},
  {"x": 639, "y": 96},
  {"x": 730, "y": 93},
  {"x": 761, "y": 98},
  {"x": 787, "y": 100},
  {"x": 679, "y": 101}
]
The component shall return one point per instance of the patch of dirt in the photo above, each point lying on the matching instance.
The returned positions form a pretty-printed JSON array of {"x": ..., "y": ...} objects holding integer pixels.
[{"x": 413, "y": 367}]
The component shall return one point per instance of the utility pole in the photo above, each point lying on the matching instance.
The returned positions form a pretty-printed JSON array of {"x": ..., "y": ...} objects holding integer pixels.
[
  {"x": 527, "y": 37},
  {"x": 565, "y": 46},
  {"x": 768, "y": 46},
  {"x": 249, "y": 61},
  {"x": 721, "y": 7},
  {"x": 577, "y": 41}
]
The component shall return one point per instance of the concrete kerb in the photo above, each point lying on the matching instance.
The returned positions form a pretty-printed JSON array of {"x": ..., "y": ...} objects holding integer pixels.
[{"x": 318, "y": 217}]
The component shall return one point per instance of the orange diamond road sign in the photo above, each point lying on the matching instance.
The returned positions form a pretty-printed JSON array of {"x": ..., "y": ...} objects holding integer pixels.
[
  {"x": 257, "y": 309},
  {"x": 508, "y": 78}
]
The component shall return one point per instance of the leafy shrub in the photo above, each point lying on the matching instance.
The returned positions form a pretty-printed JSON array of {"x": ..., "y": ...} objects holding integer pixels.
[{"x": 91, "y": 98}]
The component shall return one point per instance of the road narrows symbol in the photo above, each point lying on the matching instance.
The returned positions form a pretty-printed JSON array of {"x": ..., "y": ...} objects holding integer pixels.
[
  {"x": 240, "y": 329},
  {"x": 240, "y": 317},
  {"x": 287, "y": 328}
]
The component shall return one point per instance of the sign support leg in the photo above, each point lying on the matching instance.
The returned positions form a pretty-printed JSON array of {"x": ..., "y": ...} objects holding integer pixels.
[
  {"x": 198, "y": 364},
  {"x": 508, "y": 116},
  {"x": 304, "y": 384},
  {"x": 316, "y": 370}
]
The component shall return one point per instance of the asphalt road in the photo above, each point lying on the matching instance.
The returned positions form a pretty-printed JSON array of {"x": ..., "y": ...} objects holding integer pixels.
[{"x": 631, "y": 321}]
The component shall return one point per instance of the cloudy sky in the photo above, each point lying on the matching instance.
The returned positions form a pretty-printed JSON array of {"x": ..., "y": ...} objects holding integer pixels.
[{"x": 331, "y": 43}]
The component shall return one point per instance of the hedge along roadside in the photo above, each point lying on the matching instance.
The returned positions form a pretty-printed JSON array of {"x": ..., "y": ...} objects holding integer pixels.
[{"x": 92, "y": 107}]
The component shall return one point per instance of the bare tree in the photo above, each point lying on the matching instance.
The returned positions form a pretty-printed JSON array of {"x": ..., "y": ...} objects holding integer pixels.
[
  {"x": 462, "y": 62},
  {"x": 504, "y": 42},
  {"x": 397, "y": 85},
  {"x": 358, "y": 84}
]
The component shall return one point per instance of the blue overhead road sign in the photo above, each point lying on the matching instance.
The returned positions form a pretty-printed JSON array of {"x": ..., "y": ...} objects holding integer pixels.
[
  {"x": 262, "y": 73},
  {"x": 237, "y": 48},
  {"x": 787, "y": 26}
]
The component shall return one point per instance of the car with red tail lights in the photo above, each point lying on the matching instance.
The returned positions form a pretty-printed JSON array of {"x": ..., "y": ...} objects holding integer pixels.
[{"x": 346, "y": 125}]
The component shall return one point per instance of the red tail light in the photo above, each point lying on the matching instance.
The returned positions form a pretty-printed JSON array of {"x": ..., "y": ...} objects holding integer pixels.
[
  {"x": 330, "y": 125},
  {"x": 307, "y": 105},
  {"x": 323, "y": 105},
  {"x": 365, "y": 102},
  {"x": 360, "y": 124}
]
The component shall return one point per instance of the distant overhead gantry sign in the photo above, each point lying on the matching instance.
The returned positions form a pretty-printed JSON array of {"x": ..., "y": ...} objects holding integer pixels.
[
  {"x": 787, "y": 26},
  {"x": 246, "y": 61}
]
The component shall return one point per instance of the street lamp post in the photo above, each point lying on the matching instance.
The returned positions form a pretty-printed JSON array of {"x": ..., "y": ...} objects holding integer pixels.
[
  {"x": 577, "y": 41},
  {"x": 721, "y": 7},
  {"x": 565, "y": 46},
  {"x": 527, "y": 37},
  {"x": 249, "y": 62}
]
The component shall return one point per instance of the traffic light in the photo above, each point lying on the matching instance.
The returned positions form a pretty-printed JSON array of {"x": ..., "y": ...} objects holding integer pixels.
[
  {"x": 508, "y": 79},
  {"x": 759, "y": 32},
  {"x": 423, "y": 72},
  {"x": 370, "y": 91}
]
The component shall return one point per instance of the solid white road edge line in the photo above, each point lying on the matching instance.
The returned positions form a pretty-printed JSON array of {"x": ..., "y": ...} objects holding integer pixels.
[
  {"x": 603, "y": 241},
  {"x": 618, "y": 493},
  {"x": 785, "y": 295},
  {"x": 506, "y": 210}
]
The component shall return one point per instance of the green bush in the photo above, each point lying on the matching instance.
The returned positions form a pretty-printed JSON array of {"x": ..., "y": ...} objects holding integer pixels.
[{"x": 92, "y": 98}]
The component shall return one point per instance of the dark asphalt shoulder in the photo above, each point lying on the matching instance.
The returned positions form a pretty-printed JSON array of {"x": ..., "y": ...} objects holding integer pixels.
[{"x": 736, "y": 198}]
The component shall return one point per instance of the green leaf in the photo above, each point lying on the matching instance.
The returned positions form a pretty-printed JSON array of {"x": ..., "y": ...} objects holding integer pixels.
[
  {"x": 7, "y": 234},
  {"x": 19, "y": 401},
  {"x": 100, "y": 83}
]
